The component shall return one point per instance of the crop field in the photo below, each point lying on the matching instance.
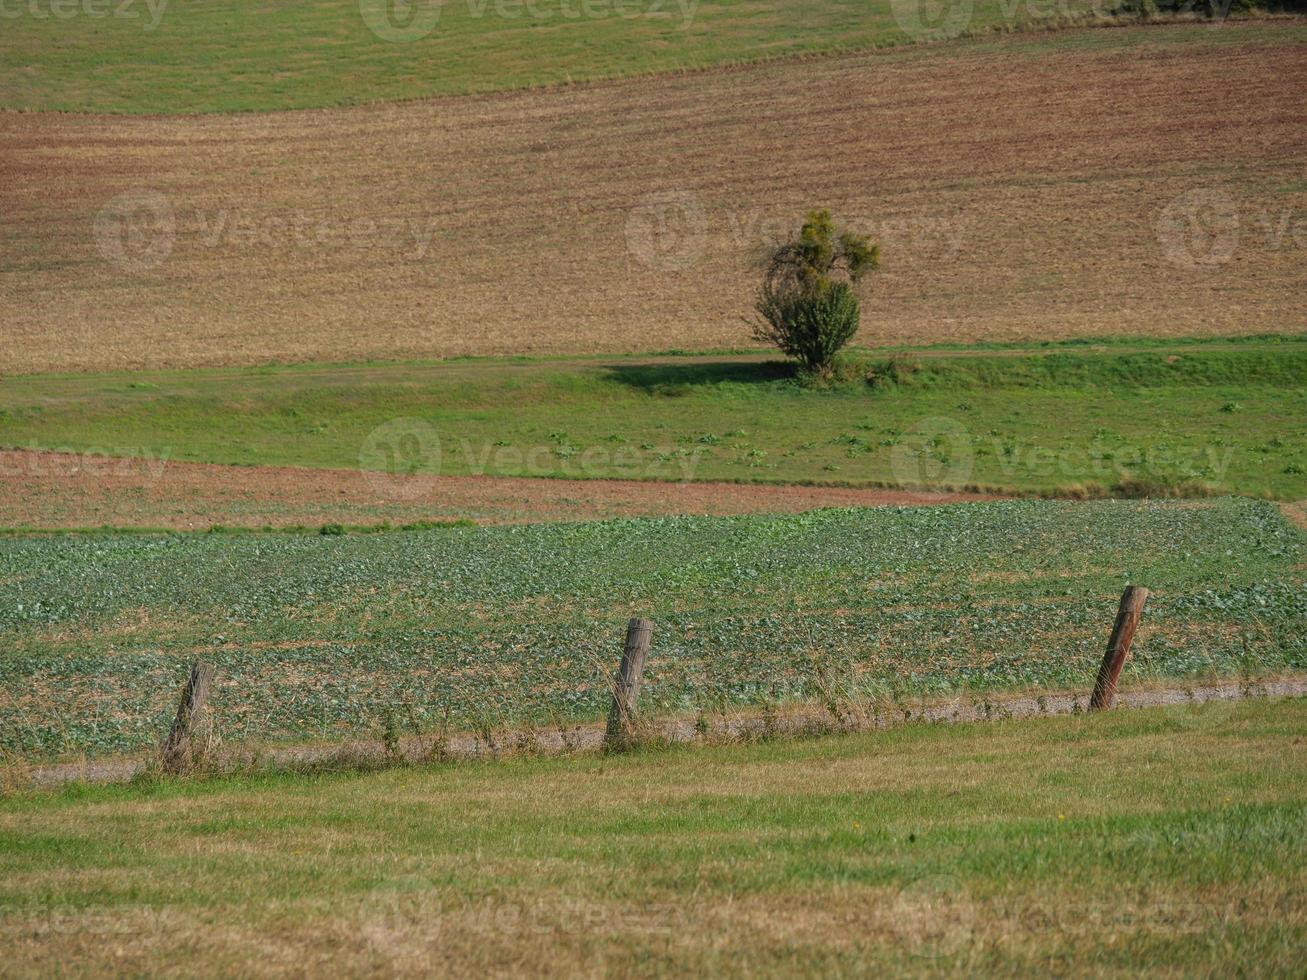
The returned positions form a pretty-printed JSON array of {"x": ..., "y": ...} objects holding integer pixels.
[
  {"x": 1223, "y": 417},
  {"x": 1063, "y": 846},
  {"x": 631, "y": 216},
  {"x": 320, "y": 637}
]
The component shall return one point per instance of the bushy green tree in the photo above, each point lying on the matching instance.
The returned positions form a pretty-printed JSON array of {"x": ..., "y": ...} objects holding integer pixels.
[{"x": 807, "y": 304}]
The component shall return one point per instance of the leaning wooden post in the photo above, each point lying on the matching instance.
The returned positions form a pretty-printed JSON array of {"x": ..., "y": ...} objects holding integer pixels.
[
  {"x": 1118, "y": 646},
  {"x": 176, "y": 751},
  {"x": 626, "y": 686}
]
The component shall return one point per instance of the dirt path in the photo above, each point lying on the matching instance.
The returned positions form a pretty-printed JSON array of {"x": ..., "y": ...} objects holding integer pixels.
[
  {"x": 58, "y": 490},
  {"x": 796, "y": 721}
]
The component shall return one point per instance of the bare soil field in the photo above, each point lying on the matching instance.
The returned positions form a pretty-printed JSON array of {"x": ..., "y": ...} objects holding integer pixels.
[
  {"x": 1147, "y": 180},
  {"x": 64, "y": 490}
]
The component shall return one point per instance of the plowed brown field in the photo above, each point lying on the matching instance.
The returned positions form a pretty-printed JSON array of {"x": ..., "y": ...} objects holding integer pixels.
[
  {"x": 65, "y": 490},
  {"x": 1020, "y": 188}
]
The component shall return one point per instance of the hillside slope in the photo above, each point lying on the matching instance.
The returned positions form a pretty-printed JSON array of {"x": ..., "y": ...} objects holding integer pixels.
[{"x": 1114, "y": 183}]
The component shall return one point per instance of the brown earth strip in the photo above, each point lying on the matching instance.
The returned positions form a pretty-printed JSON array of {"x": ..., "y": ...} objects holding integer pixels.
[
  {"x": 1021, "y": 187},
  {"x": 1296, "y": 512},
  {"x": 65, "y": 490}
]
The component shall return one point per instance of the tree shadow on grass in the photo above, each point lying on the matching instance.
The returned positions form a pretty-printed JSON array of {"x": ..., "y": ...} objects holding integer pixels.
[{"x": 681, "y": 379}]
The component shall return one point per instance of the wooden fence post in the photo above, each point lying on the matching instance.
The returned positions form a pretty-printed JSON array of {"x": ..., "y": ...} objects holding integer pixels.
[
  {"x": 1118, "y": 646},
  {"x": 176, "y": 751},
  {"x": 626, "y": 686}
]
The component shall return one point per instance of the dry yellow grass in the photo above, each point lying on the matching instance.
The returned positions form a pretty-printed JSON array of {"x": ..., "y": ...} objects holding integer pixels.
[
  {"x": 1021, "y": 188},
  {"x": 1084, "y": 846}
]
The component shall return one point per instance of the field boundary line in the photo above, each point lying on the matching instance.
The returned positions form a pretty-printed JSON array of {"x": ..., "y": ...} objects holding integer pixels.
[{"x": 784, "y": 721}]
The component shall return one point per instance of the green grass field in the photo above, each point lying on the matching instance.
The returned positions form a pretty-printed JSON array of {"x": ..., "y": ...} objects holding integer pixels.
[
  {"x": 1162, "y": 841},
  {"x": 224, "y": 55},
  {"x": 1069, "y": 418},
  {"x": 466, "y": 629}
]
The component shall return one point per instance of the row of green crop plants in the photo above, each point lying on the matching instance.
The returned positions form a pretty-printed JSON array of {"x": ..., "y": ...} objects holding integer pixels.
[{"x": 323, "y": 638}]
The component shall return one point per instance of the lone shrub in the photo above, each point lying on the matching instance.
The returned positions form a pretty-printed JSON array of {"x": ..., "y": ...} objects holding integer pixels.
[{"x": 807, "y": 304}]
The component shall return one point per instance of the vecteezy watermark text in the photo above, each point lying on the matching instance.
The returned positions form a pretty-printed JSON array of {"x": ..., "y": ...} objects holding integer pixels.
[
  {"x": 941, "y": 451},
  {"x": 149, "y": 12},
  {"x": 409, "y": 235},
  {"x": 402, "y": 21},
  {"x": 670, "y": 231},
  {"x": 62, "y": 462},
  {"x": 138, "y": 230},
  {"x": 405, "y": 457}
]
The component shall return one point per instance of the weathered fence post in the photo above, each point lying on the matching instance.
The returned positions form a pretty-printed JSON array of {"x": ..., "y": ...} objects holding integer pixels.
[
  {"x": 176, "y": 751},
  {"x": 626, "y": 686},
  {"x": 1118, "y": 646}
]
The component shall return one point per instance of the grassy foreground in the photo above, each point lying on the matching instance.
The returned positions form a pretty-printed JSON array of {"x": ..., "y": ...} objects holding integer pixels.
[
  {"x": 1165, "y": 840},
  {"x": 330, "y": 638},
  {"x": 1069, "y": 418},
  {"x": 223, "y": 55}
]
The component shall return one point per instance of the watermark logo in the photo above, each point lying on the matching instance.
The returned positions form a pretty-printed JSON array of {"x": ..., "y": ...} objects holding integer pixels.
[
  {"x": 136, "y": 230},
  {"x": 667, "y": 231},
  {"x": 401, "y": 21},
  {"x": 932, "y": 20},
  {"x": 1203, "y": 228},
  {"x": 934, "y": 452},
  {"x": 1199, "y": 229},
  {"x": 934, "y": 915},
  {"x": 671, "y": 231},
  {"x": 401, "y": 918},
  {"x": 404, "y": 21},
  {"x": 401, "y": 458}
]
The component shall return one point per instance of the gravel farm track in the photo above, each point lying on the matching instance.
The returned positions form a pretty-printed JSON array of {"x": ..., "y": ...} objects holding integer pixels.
[{"x": 1059, "y": 210}]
